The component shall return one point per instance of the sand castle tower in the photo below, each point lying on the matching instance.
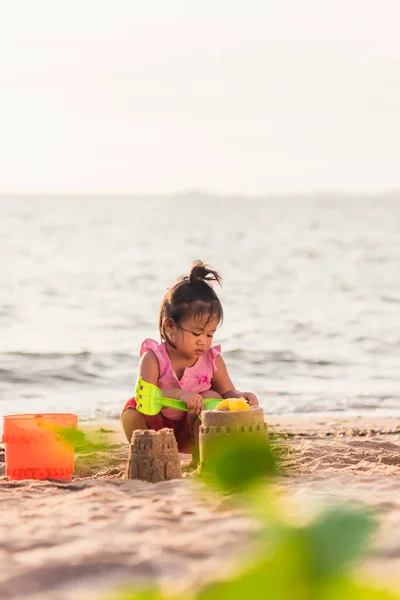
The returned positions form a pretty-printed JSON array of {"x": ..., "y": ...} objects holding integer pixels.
[
  {"x": 216, "y": 423},
  {"x": 153, "y": 456}
]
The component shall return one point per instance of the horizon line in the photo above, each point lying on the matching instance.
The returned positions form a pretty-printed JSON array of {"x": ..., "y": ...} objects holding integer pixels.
[{"x": 205, "y": 193}]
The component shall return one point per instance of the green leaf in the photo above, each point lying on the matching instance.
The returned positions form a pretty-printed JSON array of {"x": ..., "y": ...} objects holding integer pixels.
[
  {"x": 336, "y": 538},
  {"x": 70, "y": 436},
  {"x": 347, "y": 589},
  {"x": 238, "y": 461},
  {"x": 67, "y": 435}
]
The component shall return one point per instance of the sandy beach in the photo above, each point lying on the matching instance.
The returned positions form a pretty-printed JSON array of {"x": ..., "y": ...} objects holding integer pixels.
[{"x": 81, "y": 538}]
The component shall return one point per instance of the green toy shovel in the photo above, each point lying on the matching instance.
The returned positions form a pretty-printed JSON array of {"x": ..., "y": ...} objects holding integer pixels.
[{"x": 149, "y": 400}]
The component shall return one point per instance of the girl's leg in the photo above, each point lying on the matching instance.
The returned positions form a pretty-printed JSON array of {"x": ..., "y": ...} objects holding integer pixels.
[{"x": 132, "y": 420}]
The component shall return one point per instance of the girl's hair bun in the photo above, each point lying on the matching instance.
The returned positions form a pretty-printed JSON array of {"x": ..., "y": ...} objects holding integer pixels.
[
  {"x": 192, "y": 296},
  {"x": 202, "y": 272}
]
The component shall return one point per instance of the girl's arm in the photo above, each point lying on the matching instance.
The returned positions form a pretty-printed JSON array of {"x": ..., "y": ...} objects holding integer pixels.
[
  {"x": 222, "y": 384},
  {"x": 148, "y": 368},
  {"x": 149, "y": 371}
]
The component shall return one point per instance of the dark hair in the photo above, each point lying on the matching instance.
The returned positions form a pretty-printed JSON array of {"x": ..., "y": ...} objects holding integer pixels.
[{"x": 192, "y": 295}]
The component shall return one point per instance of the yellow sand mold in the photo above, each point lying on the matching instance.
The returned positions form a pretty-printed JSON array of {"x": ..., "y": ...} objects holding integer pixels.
[{"x": 233, "y": 404}]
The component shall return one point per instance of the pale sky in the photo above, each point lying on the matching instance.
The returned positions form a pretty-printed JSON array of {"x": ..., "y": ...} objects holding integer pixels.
[{"x": 225, "y": 96}]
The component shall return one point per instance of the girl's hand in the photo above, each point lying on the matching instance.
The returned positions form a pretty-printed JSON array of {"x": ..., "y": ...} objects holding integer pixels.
[
  {"x": 251, "y": 398},
  {"x": 194, "y": 402}
]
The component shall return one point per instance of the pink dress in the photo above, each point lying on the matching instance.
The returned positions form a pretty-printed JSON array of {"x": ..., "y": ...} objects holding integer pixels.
[{"x": 195, "y": 379}]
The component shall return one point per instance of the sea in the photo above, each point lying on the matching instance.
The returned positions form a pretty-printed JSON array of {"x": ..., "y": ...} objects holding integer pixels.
[{"x": 311, "y": 297}]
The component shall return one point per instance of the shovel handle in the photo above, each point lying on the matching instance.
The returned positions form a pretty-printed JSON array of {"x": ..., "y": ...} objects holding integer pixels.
[
  {"x": 149, "y": 395},
  {"x": 209, "y": 404}
]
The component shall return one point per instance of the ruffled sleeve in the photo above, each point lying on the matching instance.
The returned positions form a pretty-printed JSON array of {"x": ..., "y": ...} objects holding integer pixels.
[
  {"x": 214, "y": 352},
  {"x": 152, "y": 345},
  {"x": 160, "y": 351}
]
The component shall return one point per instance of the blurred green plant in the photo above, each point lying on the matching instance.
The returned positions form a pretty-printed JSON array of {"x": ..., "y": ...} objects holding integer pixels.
[
  {"x": 237, "y": 462},
  {"x": 70, "y": 436},
  {"x": 312, "y": 561},
  {"x": 77, "y": 438}
]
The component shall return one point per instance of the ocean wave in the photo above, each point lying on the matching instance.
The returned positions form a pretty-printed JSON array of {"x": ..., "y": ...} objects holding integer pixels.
[
  {"x": 79, "y": 355},
  {"x": 260, "y": 357},
  {"x": 50, "y": 355},
  {"x": 78, "y": 367}
]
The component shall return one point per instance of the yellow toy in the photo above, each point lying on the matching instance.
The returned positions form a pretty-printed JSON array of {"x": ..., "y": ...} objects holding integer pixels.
[{"x": 233, "y": 404}]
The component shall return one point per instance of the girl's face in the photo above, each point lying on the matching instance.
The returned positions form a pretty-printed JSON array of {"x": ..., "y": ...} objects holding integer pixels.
[{"x": 193, "y": 337}]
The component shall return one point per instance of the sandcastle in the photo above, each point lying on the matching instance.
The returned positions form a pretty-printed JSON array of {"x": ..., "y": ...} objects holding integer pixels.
[
  {"x": 216, "y": 423},
  {"x": 153, "y": 456}
]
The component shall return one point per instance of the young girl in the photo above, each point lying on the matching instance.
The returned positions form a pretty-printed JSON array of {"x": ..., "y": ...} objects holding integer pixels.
[{"x": 185, "y": 366}]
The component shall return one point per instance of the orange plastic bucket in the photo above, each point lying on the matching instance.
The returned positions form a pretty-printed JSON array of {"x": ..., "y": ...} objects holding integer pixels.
[{"x": 36, "y": 448}]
